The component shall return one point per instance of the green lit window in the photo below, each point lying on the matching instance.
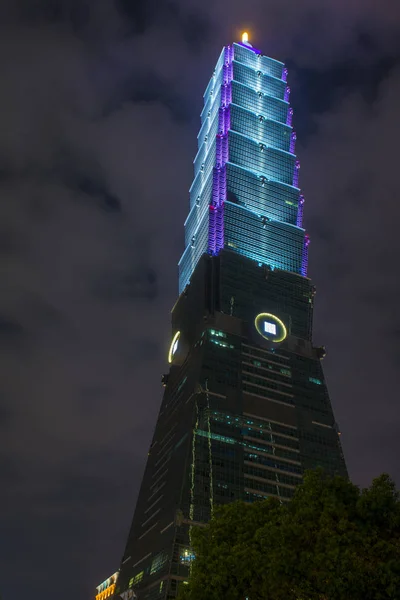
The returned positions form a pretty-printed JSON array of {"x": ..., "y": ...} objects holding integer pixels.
[
  {"x": 222, "y": 344},
  {"x": 215, "y": 333},
  {"x": 286, "y": 372},
  {"x": 315, "y": 380},
  {"x": 215, "y": 436},
  {"x": 137, "y": 578},
  {"x": 182, "y": 383},
  {"x": 158, "y": 562}
]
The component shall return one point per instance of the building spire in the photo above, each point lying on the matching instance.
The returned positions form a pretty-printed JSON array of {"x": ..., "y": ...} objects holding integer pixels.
[{"x": 245, "y": 39}]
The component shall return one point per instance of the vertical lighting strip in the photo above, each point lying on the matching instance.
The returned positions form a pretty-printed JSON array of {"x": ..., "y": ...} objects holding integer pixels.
[
  {"x": 289, "y": 117},
  {"x": 210, "y": 452},
  {"x": 296, "y": 174},
  {"x": 300, "y": 210},
  {"x": 193, "y": 470},
  {"x": 293, "y": 138},
  {"x": 304, "y": 261},
  {"x": 216, "y": 207}
]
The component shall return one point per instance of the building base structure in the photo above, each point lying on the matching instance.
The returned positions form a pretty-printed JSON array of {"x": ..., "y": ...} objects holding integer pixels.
[{"x": 242, "y": 415}]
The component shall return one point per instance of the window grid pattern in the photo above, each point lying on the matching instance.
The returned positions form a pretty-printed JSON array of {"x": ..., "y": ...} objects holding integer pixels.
[
  {"x": 263, "y": 391},
  {"x": 198, "y": 209},
  {"x": 256, "y": 79},
  {"x": 269, "y": 431},
  {"x": 267, "y": 197},
  {"x": 272, "y": 462},
  {"x": 265, "y": 160},
  {"x": 253, "y": 445},
  {"x": 269, "y": 242},
  {"x": 287, "y": 293},
  {"x": 255, "y": 496},
  {"x": 212, "y": 84},
  {"x": 270, "y": 466},
  {"x": 204, "y": 172},
  {"x": 208, "y": 132},
  {"x": 259, "y": 103},
  {"x": 217, "y": 70},
  {"x": 250, "y": 58},
  {"x": 213, "y": 101},
  {"x": 245, "y": 189},
  {"x": 193, "y": 252},
  {"x": 271, "y": 475},
  {"x": 260, "y": 129},
  {"x": 207, "y": 143}
]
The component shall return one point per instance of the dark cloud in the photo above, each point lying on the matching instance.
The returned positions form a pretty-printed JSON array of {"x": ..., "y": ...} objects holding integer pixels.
[
  {"x": 317, "y": 90},
  {"x": 98, "y": 118},
  {"x": 10, "y": 328},
  {"x": 193, "y": 24},
  {"x": 135, "y": 283},
  {"x": 6, "y": 415},
  {"x": 148, "y": 87},
  {"x": 92, "y": 188},
  {"x": 9, "y": 472}
]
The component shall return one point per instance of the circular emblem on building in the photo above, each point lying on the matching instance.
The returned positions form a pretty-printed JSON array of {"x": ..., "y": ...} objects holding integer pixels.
[
  {"x": 174, "y": 346},
  {"x": 270, "y": 327}
]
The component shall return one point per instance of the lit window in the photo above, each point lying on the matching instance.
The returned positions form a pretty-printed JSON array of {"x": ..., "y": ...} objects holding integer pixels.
[
  {"x": 175, "y": 346},
  {"x": 187, "y": 556},
  {"x": 269, "y": 327},
  {"x": 138, "y": 577},
  {"x": 158, "y": 562}
]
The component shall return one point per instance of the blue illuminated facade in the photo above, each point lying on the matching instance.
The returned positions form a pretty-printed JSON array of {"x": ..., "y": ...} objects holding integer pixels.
[{"x": 245, "y": 195}]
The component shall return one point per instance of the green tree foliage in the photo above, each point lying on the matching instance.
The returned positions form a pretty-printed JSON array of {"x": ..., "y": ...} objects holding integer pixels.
[{"x": 332, "y": 541}]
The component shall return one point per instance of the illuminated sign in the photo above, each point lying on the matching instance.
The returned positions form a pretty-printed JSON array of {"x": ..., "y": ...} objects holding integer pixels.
[
  {"x": 107, "y": 588},
  {"x": 174, "y": 346},
  {"x": 270, "y": 327}
]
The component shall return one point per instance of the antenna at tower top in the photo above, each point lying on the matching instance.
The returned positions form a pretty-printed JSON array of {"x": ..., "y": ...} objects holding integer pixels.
[{"x": 245, "y": 38}]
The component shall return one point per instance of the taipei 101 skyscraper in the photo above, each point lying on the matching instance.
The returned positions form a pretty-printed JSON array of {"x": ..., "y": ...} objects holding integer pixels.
[{"x": 245, "y": 409}]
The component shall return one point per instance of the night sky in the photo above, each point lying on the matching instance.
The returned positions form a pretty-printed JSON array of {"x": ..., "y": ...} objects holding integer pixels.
[{"x": 99, "y": 112}]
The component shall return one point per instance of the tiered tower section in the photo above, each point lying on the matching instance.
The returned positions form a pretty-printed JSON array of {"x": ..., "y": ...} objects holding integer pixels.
[{"x": 245, "y": 195}]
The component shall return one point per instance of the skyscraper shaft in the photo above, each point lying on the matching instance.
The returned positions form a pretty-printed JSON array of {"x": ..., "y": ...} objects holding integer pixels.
[{"x": 245, "y": 409}]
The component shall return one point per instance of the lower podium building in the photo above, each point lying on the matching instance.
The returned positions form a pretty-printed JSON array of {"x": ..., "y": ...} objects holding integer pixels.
[{"x": 245, "y": 409}]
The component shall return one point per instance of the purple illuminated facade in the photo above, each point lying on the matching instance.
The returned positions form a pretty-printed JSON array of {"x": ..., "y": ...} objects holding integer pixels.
[{"x": 218, "y": 195}]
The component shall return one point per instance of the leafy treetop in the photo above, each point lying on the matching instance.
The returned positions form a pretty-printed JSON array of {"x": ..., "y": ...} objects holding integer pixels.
[{"x": 332, "y": 541}]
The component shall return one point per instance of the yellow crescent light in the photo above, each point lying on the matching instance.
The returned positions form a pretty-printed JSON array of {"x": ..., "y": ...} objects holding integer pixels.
[
  {"x": 173, "y": 347},
  {"x": 261, "y": 317},
  {"x": 245, "y": 37}
]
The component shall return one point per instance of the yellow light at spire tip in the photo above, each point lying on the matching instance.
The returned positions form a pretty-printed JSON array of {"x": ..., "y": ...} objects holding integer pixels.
[{"x": 245, "y": 37}]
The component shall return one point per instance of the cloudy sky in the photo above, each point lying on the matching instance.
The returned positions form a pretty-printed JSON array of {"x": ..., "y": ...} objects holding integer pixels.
[{"x": 99, "y": 111}]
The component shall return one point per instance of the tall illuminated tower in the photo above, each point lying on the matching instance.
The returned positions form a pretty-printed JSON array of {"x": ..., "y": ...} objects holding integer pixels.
[{"x": 245, "y": 408}]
